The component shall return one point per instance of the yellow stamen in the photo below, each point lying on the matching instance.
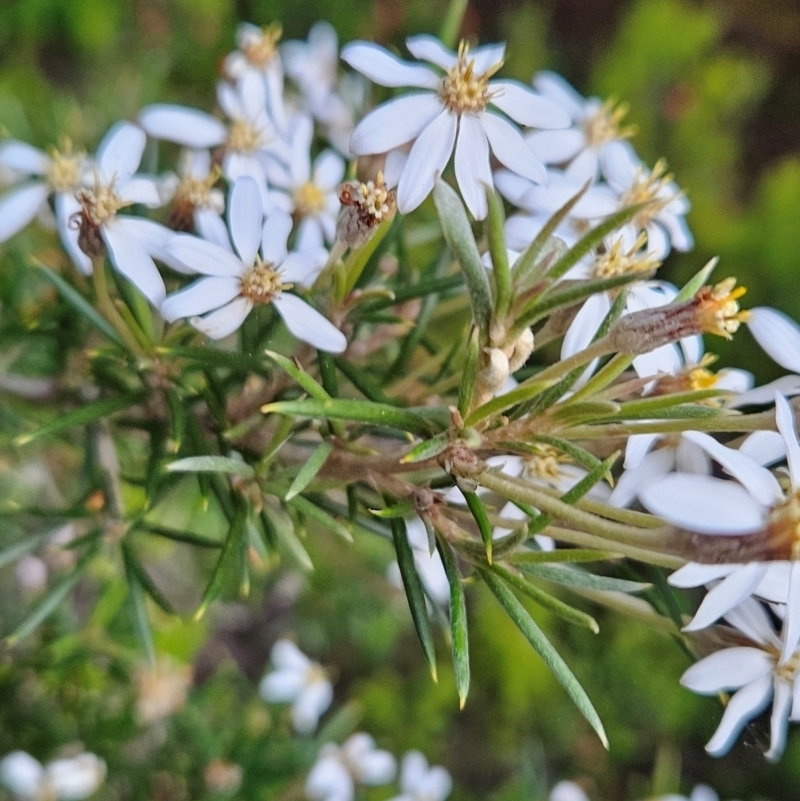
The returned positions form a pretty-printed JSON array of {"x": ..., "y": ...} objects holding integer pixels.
[
  {"x": 64, "y": 173},
  {"x": 308, "y": 199},
  {"x": 718, "y": 308},
  {"x": 463, "y": 90},
  {"x": 605, "y": 124},
  {"x": 260, "y": 49},
  {"x": 648, "y": 187},
  {"x": 615, "y": 261},
  {"x": 244, "y": 137},
  {"x": 262, "y": 283}
]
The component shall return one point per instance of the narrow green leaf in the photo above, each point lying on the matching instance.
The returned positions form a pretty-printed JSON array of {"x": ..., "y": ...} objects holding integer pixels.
[
  {"x": 571, "y": 576},
  {"x": 427, "y": 449},
  {"x": 535, "y": 636},
  {"x": 579, "y": 455},
  {"x": 358, "y": 411},
  {"x": 309, "y": 469},
  {"x": 458, "y": 621},
  {"x": 362, "y": 380},
  {"x": 448, "y": 35},
  {"x": 524, "y": 392},
  {"x": 298, "y": 374},
  {"x": 229, "y": 566},
  {"x": 692, "y": 286},
  {"x": 585, "y": 411},
  {"x": 310, "y": 509},
  {"x": 497, "y": 249},
  {"x": 79, "y": 417},
  {"x": 482, "y": 519},
  {"x": 414, "y": 592},
  {"x": 644, "y": 407},
  {"x": 429, "y": 286},
  {"x": 402, "y": 509},
  {"x": 615, "y": 366},
  {"x": 214, "y": 357},
  {"x": 144, "y": 579},
  {"x": 139, "y": 604},
  {"x": 562, "y": 555},
  {"x": 80, "y": 304},
  {"x": 458, "y": 235},
  {"x": 597, "y": 473},
  {"x": 470, "y": 371},
  {"x": 53, "y": 600},
  {"x": 211, "y": 464},
  {"x": 290, "y": 542},
  {"x": 547, "y": 601},
  {"x": 23, "y": 546},
  {"x": 178, "y": 536},
  {"x": 529, "y": 267}
]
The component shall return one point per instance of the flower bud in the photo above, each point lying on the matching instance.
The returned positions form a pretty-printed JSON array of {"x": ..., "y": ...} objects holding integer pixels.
[
  {"x": 521, "y": 350},
  {"x": 364, "y": 207}
]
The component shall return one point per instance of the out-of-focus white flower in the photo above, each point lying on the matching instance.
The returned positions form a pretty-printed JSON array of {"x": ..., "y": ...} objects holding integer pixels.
[
  {"x": 756, "y": 675},
  {"x": 61, "y": 173},
  {"x": 778, "y": 335},
  {"x": 429, "y": 565},
  {"x": 595, "y": 124},
  {"x": 300, "y": 682},
  {"x": 161, "y": 690},
  {"x": 568, "y": 791},
  {"x": 69, "y": 779},
  {"x": 451, "y": 112},
  {"x": 31, "y": 573},
  {"x": 752, "y": 503},
  {"x": 702, "y": 792},
  {"x": 196, "y": 204},
  {"x": 249, "y": 138},
  {"x": 339, "y": 768},
  {"x": 239, "y": 279},
  {"x": 308, "y": 191},
  {"x": 419, "y": 782},
  {"x": 663, "y": 218},
  {"x": 131, "y": 242},
  {"x": 258, "y": 53}
]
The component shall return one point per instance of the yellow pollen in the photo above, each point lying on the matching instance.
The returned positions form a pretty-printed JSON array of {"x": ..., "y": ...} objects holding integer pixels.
[
  {"x": 718, "y": 308},
  {"x": 616, "y": 261},
  {"x": 196, "y": 192},
  {"x": 100, "y": 204},
  {"x": 262, "y": 283},
  {"x": 260, "y": 49},
  {"x": 243, "y": 137},
  {"x": 646, "y": 188},
  {"x": 64, "y": 173},
  {"x": 605, "y": 124},
  {"x": 463, "y": 90},
  {"x": 545, "y": 463},
  {"x": 374, "y": 198},
  {"x": 308, "y": 199}
]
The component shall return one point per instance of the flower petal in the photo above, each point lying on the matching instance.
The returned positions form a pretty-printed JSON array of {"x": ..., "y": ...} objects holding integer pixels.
[
  {"x": 140, "y": 190},
  {"x": 311, "y": 705},
  {"x": 751, "y": 619},
  {"x": 211, "y": 227},
  {"x": 328, "y": 170},
  {"x": 778, "y": 335},
  {"x": 787, "y": 428},
  {"x": 19, "y": 206},
  {"x": 473, "y": 172},
  {"x": 764, "y": 447},
  {"x": 120, "y": 151},
  {"x": 728, "y": 669},
  {"x": 308, "y": 324},
  {"x": 554, "y": 87},
  {"x": 245, "y": 217},
  {"x": 694, "y": 574},
  {"x": 394, "y": 123},
  {"x": 757, "y": 480},
  {"x": 510, "y": 148},
  {"x": 653, "y": 467},
  {"x": 225, "y": 320},
  {"x": 299, "y": 267},
  {"x": 429, "y": 48},
  {"x": 788, "y": 385},
  {"x": 282, "y": 686},
  {"x": 791, "y": 626},
  {"x": 274, "y": 236},
  {"x": 750, "y": 701},
  {"x": 204, "y": 257},
  {"x": 381, "y": 67},
  {"x": 24, "y": 158},
  {"x": 428, "y": 158},
  {"x": 555, "y": 147},
  {"x": 21, "y": 774},
  {"x": 130, "y": 258},
  {"x": 526, "y": 107},
  {"x": 329, "y": 780},
  {"x": 487, "y": 56},
  {"x": 703, "y": 504},
  {"x": 779, "y": 720},
  {"x": 186, "y": 126},
  {"x": 66, "y": 207},
  {"x": 200, "y": 297},
  {"x": 729, "y": 593}
]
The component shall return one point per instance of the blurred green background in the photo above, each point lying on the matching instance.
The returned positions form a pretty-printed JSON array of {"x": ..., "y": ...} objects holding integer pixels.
[{"x": 713, "y": 86}]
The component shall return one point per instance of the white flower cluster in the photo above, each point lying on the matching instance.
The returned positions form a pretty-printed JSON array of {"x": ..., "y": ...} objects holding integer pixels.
[
  {"x": 66, "y": 779},
  {"x": 297, "y": 680},
  {"x": 570, "y": 791}
]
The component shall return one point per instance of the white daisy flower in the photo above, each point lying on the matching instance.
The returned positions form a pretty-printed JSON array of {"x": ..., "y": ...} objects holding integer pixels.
[
  {"x": 258, "y": 53},
  {"x": 568, "y": 791},
  {"x": 754, "y": 502},
  {"x": 60, "y": 173},
  {"x": 595, "y": 124},
  {"x": 130, "y": 242},
  {"x": 452, "y": 112},
  {"x": 663, "y": 219},
  {"x": 240, "y": 278},
  {"x": 308, "y": 191},
  {"x": 196, "y": 204},
  {"x": 300, "y": 682},
  {"x": 249, "y": 138},
  {"x": 339, "y": 768},
  {"x": 69, "y": 779},
  {"x": 429, "y": 565},
  {"x": 419, "y": 782},
  {"x": 757, "y": 676},
  {"x": 22, "y": 775}
]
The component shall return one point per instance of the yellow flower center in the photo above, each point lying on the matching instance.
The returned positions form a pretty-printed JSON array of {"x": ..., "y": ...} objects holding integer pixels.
[
  {"x": 645, "y": 188},
  {"x": 308, "y": 199},
  {"x": 375, "y": 198},
  {"x": 545, "y": 464},
  {"x": 463, "y": 90},
  {"x": 194, "y": 193},
  {"x": 616, "y": 261},
  {"x": 100, "y": 204},
  {"x": 605, "y": 124},
  {"x": 261, "y": 283},
  {"x": 260, "y": 49},
  {"x": 718, "y": 308},
  {"x": 64, "y": 173},
  {"x": 244, "y": 137}
]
